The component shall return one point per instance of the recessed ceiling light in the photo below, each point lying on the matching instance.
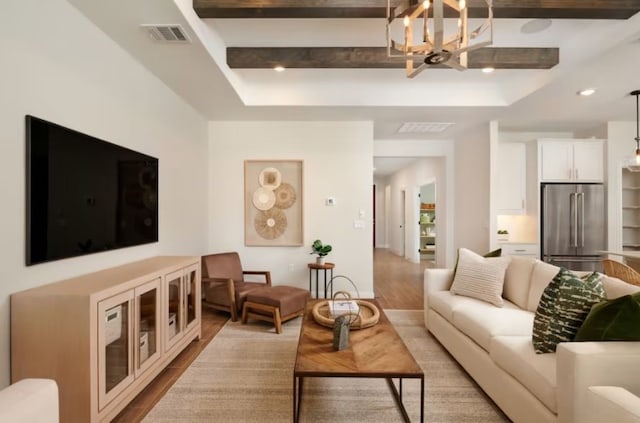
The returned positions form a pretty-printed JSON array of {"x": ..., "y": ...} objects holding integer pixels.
[
  {"x": 488, "y": 69},
  {"x": 586, "y": 92},
  {"x": 535, "y": 25},
  {"x": 279, "y": 68}
]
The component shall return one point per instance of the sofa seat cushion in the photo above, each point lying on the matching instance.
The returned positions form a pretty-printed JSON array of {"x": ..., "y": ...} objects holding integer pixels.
[
  {"x": 537, "y": 372},
  {"x": 481, "y": 321},
  {"x": 446, "y": 302}
]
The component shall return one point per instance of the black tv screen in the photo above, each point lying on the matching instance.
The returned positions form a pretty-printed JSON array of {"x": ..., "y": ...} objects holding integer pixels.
[{"x": 85, "y": 195}]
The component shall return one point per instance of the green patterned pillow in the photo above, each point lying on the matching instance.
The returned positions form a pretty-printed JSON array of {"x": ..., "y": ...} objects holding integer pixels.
[
  {"x": 494, "y": 253},
  {"x": 613, "y": 320},
  {"x": 563, "y": 307}
]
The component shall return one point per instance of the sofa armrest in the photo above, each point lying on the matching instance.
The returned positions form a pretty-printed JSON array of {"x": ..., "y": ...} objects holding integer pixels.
[
  {"x": 580, "y": 365},
  {"x": 612, "y": 404},
  {"x": 435, "y": 280},
  {"x": 30, "y": 401}
]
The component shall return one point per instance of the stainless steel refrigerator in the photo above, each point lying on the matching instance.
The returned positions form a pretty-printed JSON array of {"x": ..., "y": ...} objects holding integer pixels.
[{"x": 573, "y": 225}]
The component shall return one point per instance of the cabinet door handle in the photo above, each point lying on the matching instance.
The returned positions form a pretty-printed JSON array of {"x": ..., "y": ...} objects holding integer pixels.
[{"x": 577, "y": 177}]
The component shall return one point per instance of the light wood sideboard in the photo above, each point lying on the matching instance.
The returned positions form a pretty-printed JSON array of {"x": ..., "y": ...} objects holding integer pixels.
[{"x": 105, "y": 335}]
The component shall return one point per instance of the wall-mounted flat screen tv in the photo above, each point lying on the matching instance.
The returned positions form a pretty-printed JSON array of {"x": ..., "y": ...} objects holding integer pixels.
[{"x": 85, "y": 195}]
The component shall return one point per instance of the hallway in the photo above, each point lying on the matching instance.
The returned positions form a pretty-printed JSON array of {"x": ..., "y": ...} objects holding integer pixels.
[{"x": 398, "y": 283}]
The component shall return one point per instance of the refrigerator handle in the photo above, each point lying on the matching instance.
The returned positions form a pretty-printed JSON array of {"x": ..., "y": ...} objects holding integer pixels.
[
  {"x": 581, "y": 196},
  {"x": 574, "y": 219}
]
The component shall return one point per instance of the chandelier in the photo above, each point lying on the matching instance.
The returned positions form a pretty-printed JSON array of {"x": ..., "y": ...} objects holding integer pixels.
[{"x": 426, "y": 20}]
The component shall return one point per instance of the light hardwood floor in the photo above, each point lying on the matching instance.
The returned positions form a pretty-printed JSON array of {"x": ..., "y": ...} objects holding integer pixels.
[{"x": 397, "y": 285}]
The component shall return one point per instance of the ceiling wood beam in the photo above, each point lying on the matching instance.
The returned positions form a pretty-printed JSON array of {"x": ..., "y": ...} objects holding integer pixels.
[
  {"x": 376, "y": 58},
  {"x": 526, "y": 9}
]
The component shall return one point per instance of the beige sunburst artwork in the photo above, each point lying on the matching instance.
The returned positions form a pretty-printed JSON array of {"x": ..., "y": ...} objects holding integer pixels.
[{"x": 270, "y": 224}]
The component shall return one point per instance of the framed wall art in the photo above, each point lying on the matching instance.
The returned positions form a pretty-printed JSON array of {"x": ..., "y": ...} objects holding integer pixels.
[{"x": 273, "y": 203}]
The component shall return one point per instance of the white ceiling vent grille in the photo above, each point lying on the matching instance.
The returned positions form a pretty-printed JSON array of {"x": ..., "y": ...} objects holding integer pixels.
[
  {"x": 167, "y": 33},
  {"x": 424, "y": 127}
]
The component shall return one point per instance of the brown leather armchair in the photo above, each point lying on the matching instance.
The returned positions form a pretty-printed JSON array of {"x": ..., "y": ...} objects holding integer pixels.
[{"x": 223, "y": 282}]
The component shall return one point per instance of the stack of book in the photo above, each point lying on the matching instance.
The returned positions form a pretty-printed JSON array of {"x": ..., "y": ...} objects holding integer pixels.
[{"x": 340, "y": 307}]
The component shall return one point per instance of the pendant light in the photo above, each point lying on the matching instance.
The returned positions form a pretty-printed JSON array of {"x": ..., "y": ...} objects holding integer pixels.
[
  {"x": 637, "y": 94},
  {"x": 633, "y": 164},
  {"x": 437, "y": 45}
]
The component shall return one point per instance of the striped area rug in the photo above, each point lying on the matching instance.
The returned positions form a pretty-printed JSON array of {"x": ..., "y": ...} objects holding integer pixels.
[{"x": 246, "y": 375}]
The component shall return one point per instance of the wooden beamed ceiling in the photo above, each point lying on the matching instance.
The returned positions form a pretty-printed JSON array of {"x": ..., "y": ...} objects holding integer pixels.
[
  {"x": 526, "y": 9},
  {"x": 376, "y": 57}
]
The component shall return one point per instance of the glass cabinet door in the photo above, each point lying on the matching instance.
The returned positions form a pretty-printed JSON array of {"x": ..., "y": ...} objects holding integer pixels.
[
  {"x": 147, "y": 315},
  {"x": 174, "y": 308},
  {"x": 191, "y": 300},
  {"x": 115, "y": 331}
]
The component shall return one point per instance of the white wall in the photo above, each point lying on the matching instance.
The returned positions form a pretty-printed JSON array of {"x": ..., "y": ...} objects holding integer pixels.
[
  {"x": 428, "y": 193},
  {"x": 58, "y": 66},
  {"x": 381, "y": 214},
  {"x": 338, "y": 162},
  {"x": 472, "y": 190}
]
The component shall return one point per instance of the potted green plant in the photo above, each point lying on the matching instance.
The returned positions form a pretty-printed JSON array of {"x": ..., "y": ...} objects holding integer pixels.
[
  {"x": 503, "y": 235},
  {"x": 320, "y": 250}
]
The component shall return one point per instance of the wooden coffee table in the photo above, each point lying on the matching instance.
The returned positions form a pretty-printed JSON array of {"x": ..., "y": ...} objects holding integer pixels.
[{"x": 375, "y": 352}]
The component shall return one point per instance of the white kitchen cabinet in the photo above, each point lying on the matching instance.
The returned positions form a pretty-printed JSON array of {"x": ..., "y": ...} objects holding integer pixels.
[
  {"x": 571, "y": 160},
  {"x": 512, "y": 177},
  {"x": 519, "y": 249}
]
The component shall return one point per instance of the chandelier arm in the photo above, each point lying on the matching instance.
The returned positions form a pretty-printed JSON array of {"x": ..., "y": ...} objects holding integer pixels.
[
  {"x": 433, "y": 48},
  {"x": 438, "y": 25},
  {"x": 455, "y": 65},
  {"x": 453, "y": 4},
  {"x": 470, "y": 48},
  {"x": 464, "y": 31},
  {"x": 415, "y": 72}
]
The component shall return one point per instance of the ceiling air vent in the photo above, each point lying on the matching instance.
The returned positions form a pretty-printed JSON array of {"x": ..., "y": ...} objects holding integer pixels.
[
  {"x": 424, "y": 127},
  {"x": 167, "y": 33}
]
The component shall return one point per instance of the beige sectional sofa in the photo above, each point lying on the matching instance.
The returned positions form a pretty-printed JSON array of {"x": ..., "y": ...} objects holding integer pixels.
[{"x": 494, "y": 346}]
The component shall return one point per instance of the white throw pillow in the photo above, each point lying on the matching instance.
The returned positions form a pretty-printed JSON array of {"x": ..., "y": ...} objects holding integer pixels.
[{"x": 479, "y": 277}]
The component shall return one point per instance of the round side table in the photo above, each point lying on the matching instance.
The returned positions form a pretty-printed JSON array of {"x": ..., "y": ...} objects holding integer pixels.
[{"x": 318, "y": 267}]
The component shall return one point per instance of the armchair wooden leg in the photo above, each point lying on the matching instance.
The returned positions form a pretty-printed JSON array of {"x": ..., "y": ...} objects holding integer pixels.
[
  {"x": 234, "y": 313},
  {"x": 277, "y": 321},
  {"x": 244, "y": 313},
  {"x": 232, "y": 299}
]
